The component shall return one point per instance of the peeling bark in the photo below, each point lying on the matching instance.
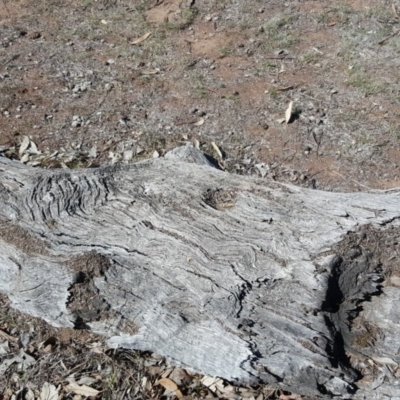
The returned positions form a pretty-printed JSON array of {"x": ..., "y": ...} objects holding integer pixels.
[{"x": 226, "y": 275}]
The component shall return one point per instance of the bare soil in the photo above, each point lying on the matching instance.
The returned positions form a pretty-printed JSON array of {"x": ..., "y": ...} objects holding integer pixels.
[{"x": 217, "y": 74}]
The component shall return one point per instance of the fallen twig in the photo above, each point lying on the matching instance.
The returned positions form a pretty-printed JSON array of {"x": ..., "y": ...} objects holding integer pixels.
[{"x": 390, "y": 36}]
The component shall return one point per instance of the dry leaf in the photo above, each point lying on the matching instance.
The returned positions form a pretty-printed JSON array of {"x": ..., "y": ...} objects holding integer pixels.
[
  {"x": 171, "y": 386},
  {"x": 30, "y": 395},
  {"x": 199, "y": 122},
  {"x": 48, "y": 392},
  {"x": 141, "y": 39},
  {"x": 146, "y": 384},
  {"x": 217, "y": 150},
  {"x": 87, "y": 380},
  {"x": 289, "y": 397},
  {"x": 167, "y": 373},
  {"x": 156, "y": 154},
  {"x": 196, "y": 144},
  {"x": 150, "y": 71},
  {"x": 395, "y": 281},
  {"x": 7, "y": 394},
  {"x": 213, "y": 384},
  {"x": 180, "y": 376},
  {"x": 288, "y": 113},
  {"x": 33, "y": 148},
  {"x": 82, "y": 390},
  {"x": 25, "y": 158},
  {"x": 8, "y": 337},
  {"x": 394, "y": 9},
  {"x": 24, "y": 145}
]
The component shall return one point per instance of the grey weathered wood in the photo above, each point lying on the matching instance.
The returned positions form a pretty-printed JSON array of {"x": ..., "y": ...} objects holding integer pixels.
[{"x": 227, "y": 275}]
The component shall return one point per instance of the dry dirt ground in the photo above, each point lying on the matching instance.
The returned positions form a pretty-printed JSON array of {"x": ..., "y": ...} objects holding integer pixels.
[{"x": 92, "y": 82}]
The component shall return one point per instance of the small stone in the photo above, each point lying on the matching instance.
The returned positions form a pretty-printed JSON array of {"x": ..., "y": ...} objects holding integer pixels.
[
  {"x": 76, "y": 121},
  {"x": 34, "y": 35},
  {"x": 156, "y": 154},
  {"x": 18, "y": 116},
  {"x": 208, "y": 18},
  {"x": 108, "y": 86},
  {"x": 92, "y": 152},
  {"x": 128, "y": 155},
  {"x": 110, "y": 61}
]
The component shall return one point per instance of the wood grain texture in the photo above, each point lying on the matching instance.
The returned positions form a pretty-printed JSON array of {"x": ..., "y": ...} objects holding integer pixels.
[{"x": 227, "y": 275}]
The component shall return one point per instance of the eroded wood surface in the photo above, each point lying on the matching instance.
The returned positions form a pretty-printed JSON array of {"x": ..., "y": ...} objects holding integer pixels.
[{"x": 231, "y": 276}]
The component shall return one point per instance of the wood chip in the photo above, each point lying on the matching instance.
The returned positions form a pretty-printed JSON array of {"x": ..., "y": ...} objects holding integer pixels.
[{"x": 385, "y": 361}]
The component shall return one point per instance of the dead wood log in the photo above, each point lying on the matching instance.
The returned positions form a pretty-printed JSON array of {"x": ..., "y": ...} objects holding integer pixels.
[{"x": 227, "y": 275}]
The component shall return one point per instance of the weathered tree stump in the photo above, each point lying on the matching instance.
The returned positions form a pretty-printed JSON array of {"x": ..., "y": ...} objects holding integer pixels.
[{"x": 250, "y": 280}]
